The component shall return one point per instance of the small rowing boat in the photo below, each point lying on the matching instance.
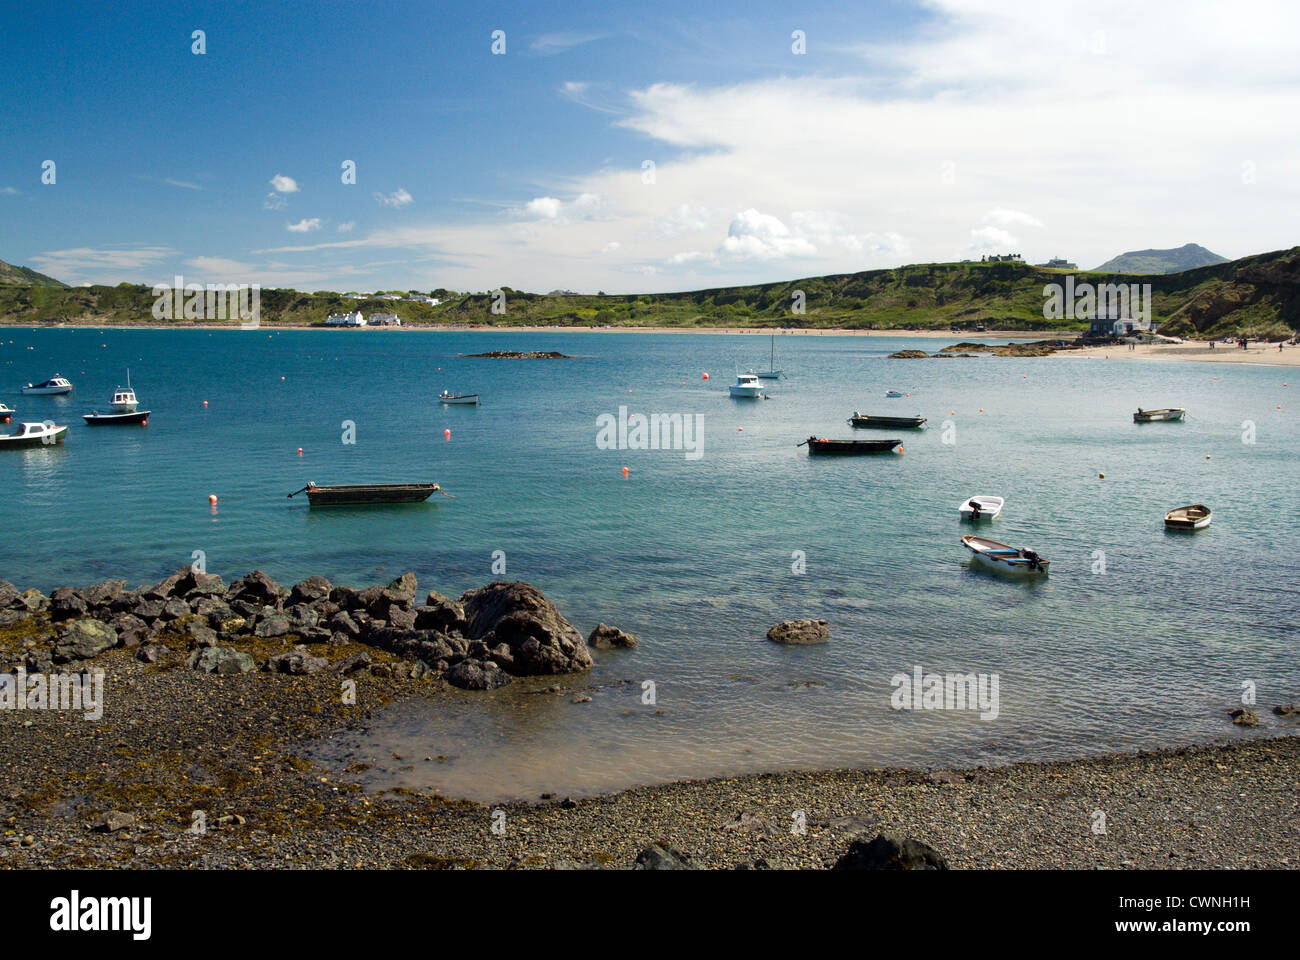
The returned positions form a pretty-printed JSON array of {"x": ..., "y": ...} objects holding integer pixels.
[
  {"x": 1164, "y": 413},
  {"x": 981, "y": 508},
  {"x": 821, "y": 445},
  {"x": 368, "y": 493},
  {"x": 1197, "y": 516},
  {"x": 34, "y": 435},
  {"x": 1005, "y": 559},
  {"x": 470, "y": 398},
  {"x": 867, "y": 420},
  {"x": 893, "y": 394}
]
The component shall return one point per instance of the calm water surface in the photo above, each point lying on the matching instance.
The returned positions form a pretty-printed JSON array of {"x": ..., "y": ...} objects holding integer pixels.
[{"x": 696, "y": 556}]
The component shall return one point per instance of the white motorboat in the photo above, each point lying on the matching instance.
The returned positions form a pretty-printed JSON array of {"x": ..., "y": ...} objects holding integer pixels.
[
  {"x": 981, "y": 508},
  {"x": 55, "y": 385},
  {"x": 446, "y": 397},
  {"x": 34, "y": 435},
  {"x": 1197, "y": 516},
  {"x": 1002, "y": 558},
  {"x": 6, "y": 413},
  {"x": 747, "y": 387}
]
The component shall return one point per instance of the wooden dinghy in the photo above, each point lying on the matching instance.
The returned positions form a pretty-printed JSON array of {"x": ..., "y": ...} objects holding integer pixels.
[
  {"x": 368, "y": 493},
  {"x": 824, "y": 446},
  {"x": 97, "y": 419},
  {"x": 1164, "y": 413},
  {"x": 992, "y": 555},
  {"x": 1196, "y": 516},
  {"x": 869, "y": 421},
  {"x": 466, "y": 398}
]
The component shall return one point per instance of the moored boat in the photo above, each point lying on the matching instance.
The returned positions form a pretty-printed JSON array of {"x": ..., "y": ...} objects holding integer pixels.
[
  {"x": 893, "y": 394},
  {"x": 981, "y": 508},
  {"x": 34, "y": 435},
  {"x": 1196, "y": 516},
  {"x": 55, "y": 385},
  {"x": 992, "y": 555},
  {"x": 367, "y": 493},
  {"x": 821, "y": 445},
  {"x": 123, "y": 409},
  {"x": 469, "y": 398},
  {"x": 747, "y": 387},
  {"x": 867, "y": 420},
  {"x": 6, "y": 413},
  {"x": 1164, "y": 413},
  {"x": 772, "y": 372}
]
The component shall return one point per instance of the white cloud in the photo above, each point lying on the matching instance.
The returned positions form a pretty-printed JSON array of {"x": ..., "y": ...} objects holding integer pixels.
[
  {"x": 397, "y": 199},
  {"x": 8, "y": 191},
  {"x": 612, "y": 247},
  {"x": 282, "y": 184},
  {"x": 304, "y": 226},
  {"x": 182, "y": 183},
  {"x": 1003, "y": 217},
  {"x": 549, "y": 43},
  {"x": 543, "y": 208},
  {"x": 994, "y": 239},
  {"x": 108, "y": 265},
  {"x": 761, "y": 236},
  {"x": 346, "y": 227},
  {"x": 274, "y": 201}
]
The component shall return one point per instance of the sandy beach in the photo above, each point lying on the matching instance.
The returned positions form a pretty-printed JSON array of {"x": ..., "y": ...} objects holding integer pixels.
[{"x": 1260, "y": 353}]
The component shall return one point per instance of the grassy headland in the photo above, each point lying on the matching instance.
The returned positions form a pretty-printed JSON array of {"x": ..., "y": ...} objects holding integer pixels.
[{"x": 1258, "y": 295}]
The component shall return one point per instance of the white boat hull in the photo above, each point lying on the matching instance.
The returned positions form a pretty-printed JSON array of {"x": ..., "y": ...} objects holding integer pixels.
[
  {"x": 747, "y": 393},
  {"x": 46, "y": 391},
  {"x": 1000, "y": 558},
  {"x": 990, "y": 507}
]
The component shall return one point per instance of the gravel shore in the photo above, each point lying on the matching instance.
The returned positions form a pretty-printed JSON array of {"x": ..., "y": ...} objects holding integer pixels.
[{"x": 122, "y": 792}]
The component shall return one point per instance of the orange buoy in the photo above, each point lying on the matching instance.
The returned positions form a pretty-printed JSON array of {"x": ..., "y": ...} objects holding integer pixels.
[
  {"x": 447, "y": 433},
  {"x": 705, "y": 376},
  {"x": 212, "y": 499},
  {"x": 625, "y": 471},
  {"x": 900, "y": 448},
  {"x": 981, "y": 409},
  {"x": 205, "y": 403},
  {"x": 300, "y": 451}
]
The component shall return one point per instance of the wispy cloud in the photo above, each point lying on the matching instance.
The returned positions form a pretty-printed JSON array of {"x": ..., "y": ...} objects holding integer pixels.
[
  {"x": 182, "y": 183},
  {"x": 550, "y": 43},
  {"x": 282, "y": 184},
  {"x": 114, "y": 264},
  {"x": 304, "y": 225},
  {"x": 8, "y": 191},
  {"x": 397, "y": 199}
]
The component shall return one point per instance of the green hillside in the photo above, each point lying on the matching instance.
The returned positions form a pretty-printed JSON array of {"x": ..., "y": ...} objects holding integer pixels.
[
  {"x": 9, "y": 274},
  {"x": 1258, "y": 295},
  {"x": 1187, "y": 257}
]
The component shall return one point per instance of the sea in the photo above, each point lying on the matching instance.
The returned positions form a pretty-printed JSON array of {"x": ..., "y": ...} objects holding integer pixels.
[{"x": 1140, "y": 638}]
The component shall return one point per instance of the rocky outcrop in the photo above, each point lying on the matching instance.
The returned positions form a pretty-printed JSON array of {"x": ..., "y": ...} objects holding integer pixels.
[
  {"x": 800, "y": 632},
  {"x": 220, "y": 660},
  {"x": 888, "y": 852},
  {"x": 608, "y": 638},
  {"x": 83, "y": 639},
  {"x": 539, "y": 639},
  {"x": 660, "y": 856}
]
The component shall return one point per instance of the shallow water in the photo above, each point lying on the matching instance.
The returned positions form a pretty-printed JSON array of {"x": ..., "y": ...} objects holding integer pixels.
[{"x": 696, "y": 556}]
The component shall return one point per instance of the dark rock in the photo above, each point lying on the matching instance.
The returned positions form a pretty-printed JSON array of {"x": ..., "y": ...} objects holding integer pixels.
[
  {"x": 83, "y": 639},
  {"x": 1287, "y": 710},
  {"x": 9, "y": 617},
  {"x": 153, "y": 652},
  {"x": 113, "y": 821},
  {"x": 440, "y": 613},
  {"x": 345, "y": 597},
  {"x": 888, "y": 852},
  {"x": 301, "y": 616},
  {"x": 210, "y": 586},
  {"x": 103, "y": 594},
  {"x": 541, "y": 641},
  {"x": 67, "y": 604},
  {"x": 358, "y": 661},
  {"x": 404, "y": 586},
  {"x": 660, "y": 856},
  {"x": 342, "y": 622},
  {"x": 312, "y": 590},
  {"x": 9, "y": 595},
  {"x": 255, "y": 587},
  {"x": 1245, "y": 717},
  {"x": 477, "y": 675},
  {"x": 606, "y": 638},
  {"x": 275, "y": 625},
  {"x": 131, "y": 630},
  {"x": 400, "y": 618},
  {"x": 220, "y": 660},
  {"x": 148, "y": 610},
  {"x": 213, "y": 608},
  {"x": 800, "y": 631},
  {"x": 296, "y": 661},
  {"x": 174, "y": 609}
]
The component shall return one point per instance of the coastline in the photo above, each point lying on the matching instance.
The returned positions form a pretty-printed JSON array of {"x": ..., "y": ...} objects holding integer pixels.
[{"x": 235, "y": 753}]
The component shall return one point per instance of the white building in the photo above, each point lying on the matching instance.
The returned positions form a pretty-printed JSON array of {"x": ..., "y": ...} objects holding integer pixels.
[
  {"x": 384, "y": 320},
  {"x": 353, "y": 319}
]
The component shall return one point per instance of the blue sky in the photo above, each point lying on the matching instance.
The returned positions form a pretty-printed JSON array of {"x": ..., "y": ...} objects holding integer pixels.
[{"x": 907, "y": 132}]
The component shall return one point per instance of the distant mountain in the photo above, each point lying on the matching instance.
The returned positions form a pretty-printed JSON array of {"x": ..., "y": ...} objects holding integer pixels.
[
  {"x": 11, "y": 274},
  {"x": 1186, "y": 257}
]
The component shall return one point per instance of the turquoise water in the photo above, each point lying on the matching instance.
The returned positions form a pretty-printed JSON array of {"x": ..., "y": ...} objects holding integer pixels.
[{"x": 695, "y": 556}]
